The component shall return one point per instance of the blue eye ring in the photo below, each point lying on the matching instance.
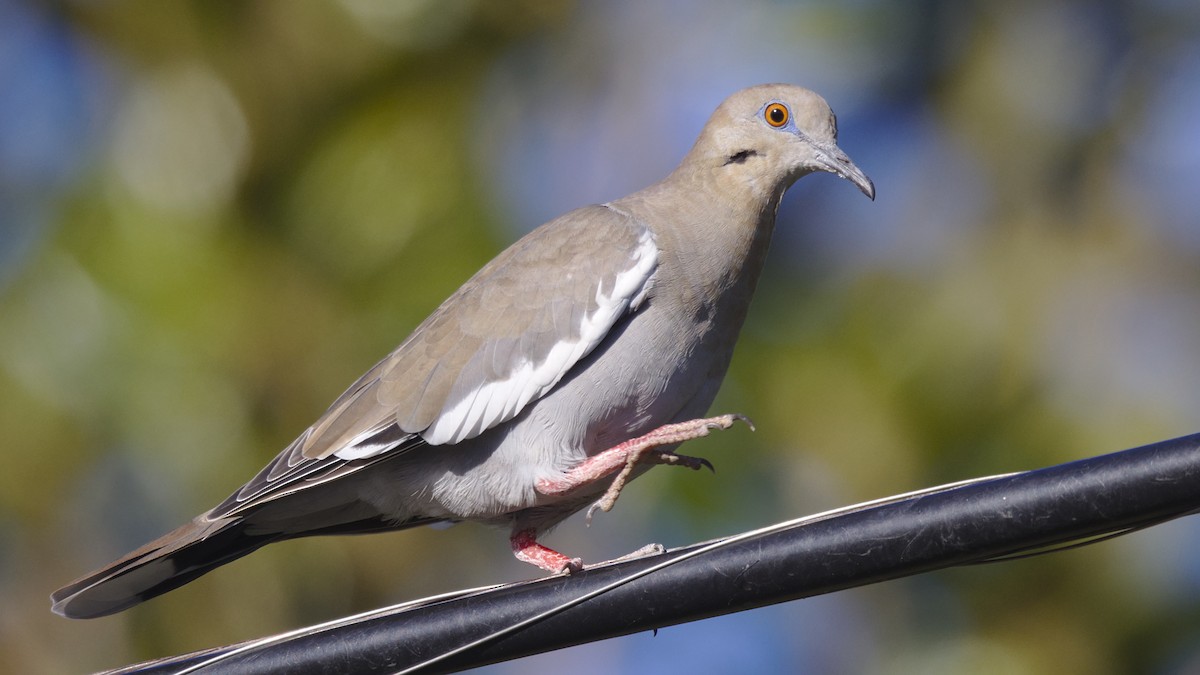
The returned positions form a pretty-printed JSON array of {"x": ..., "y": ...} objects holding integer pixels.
[{"x": 777, "y": 114}]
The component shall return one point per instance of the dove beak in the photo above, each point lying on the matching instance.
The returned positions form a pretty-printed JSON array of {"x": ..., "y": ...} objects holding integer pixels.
[{"x": 831, "y": 158}]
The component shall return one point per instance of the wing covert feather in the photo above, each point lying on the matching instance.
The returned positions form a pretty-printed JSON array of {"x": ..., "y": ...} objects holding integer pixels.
[{"x": 504, "y": 338}]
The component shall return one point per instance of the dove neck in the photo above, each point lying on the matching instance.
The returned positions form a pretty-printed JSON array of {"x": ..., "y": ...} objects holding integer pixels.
[{"x": 713, "y": 241}]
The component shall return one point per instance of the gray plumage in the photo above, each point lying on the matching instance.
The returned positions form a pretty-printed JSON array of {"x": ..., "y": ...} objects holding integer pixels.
[{"x": 598, "y": 327}]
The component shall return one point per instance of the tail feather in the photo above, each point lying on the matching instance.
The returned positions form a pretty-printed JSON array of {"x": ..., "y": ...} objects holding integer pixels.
[
  {"x": 180, "y": 556},
  {"x": 160, "y": 566}
]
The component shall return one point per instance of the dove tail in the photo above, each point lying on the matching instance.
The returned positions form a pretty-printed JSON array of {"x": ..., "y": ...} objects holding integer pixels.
[
  {"x": 160, "y": 566},
  {"x": 181, "y": 556}
]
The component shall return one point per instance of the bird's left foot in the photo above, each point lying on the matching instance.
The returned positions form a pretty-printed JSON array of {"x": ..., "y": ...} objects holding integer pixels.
[
  {"x": 643, "y": 451},
  {"x": 627, "y": 455}
]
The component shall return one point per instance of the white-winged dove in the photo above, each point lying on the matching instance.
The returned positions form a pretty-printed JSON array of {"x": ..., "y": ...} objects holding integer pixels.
[{"x": 577, "y": 358}]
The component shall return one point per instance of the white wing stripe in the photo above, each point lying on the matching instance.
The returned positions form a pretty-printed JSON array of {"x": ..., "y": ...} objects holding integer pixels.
[{"x": 501, "y": 400}]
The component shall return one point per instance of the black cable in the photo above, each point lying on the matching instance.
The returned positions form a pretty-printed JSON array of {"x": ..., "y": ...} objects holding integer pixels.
[{"x": 907, "y": 535}]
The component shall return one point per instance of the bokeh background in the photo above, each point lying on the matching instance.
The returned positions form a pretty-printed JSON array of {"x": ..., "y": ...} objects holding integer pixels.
[{"x": 214, "y": 216}]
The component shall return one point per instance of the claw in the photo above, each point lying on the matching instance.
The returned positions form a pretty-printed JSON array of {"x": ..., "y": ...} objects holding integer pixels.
[
  {"x": 673, "y": 459},
  {"x": 738, "y": 416},
  {"x": 598, "y": 505}
]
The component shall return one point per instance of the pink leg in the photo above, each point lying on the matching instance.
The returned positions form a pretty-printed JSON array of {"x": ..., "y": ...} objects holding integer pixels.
[
  {"x": 526, "y": 549},
  {"x": 627, "y": 455}
]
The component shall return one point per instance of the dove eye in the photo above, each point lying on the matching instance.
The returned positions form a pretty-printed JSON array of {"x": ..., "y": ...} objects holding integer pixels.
[{"x": 776, "y": 115}]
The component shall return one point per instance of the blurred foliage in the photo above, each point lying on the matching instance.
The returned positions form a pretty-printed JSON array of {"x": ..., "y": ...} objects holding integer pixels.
[{"x": 214, "y": 216}]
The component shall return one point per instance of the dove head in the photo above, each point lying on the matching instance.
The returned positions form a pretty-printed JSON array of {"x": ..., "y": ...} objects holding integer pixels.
[{"x": 765, "y": 138}]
